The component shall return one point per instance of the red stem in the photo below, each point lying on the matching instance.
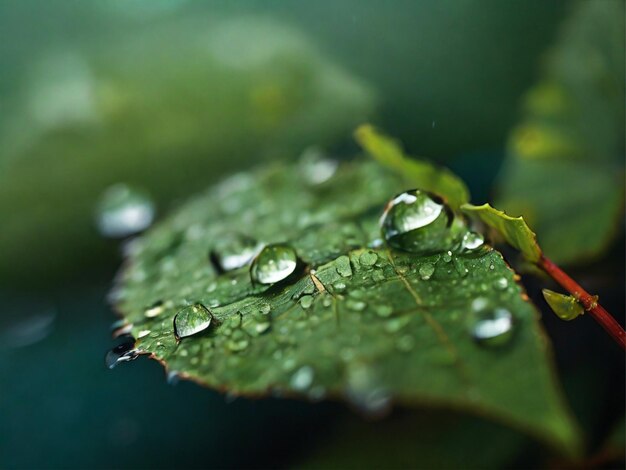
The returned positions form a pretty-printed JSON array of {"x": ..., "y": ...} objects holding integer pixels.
[{"x": 590, "y": 302}]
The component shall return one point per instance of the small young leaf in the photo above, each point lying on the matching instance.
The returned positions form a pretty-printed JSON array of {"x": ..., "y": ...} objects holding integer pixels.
[
  {"x": 417, "y": 173},
  {"x": 566, "y": 307},
  {"x": 355, "y": 318},
  {"x": 514, "y": 229}
]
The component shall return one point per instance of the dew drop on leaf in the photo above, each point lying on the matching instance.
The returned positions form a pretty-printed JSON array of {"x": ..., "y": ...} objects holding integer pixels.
[
  {"x": 501, "y": 283},
  {"x": 154, "y": 310},
  {"x": 232, "y": 251},
  {"x": 238, "y": 341},
  {"x": 472, "y": 241},
  {"x": 123, "y": 352},
  {"x": 273, "y": 264},
  {"x": 315, "y": 167},
  {"x": 302, "y": 378},
  {"x": 191, "y": 320},
  {"x": 123, "y": 211},
  {"x": 417, "y": 221},
  {"x": 426, "y": 271},
  {"x": 306, "y": 301},
  {"x": 492, "y": 327},
  {"x": 368, "y": 258}
]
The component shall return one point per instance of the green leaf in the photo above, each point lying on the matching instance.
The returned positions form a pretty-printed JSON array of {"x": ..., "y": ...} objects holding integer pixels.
[
  {"x": 417, "y": 173},
  {"x": 355, "y": 319},
  {"x": 565, "y": 162},
  {"x": 566, "y": 307},
  {"x": 514, "y": 229}
]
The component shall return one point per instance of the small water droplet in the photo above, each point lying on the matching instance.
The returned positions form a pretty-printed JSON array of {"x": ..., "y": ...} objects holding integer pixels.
[
  {"x": 238, "y": 341},
  {"x": 154, "y": 310},
  {"x": 143, "y": 334},
  {"x": 417, "y": 221},
  {"x": 339, "y": 286},
  {"x": 273, "y": 264},
  {"x": 472, "y": 241},
  {"x": 342, "y": 265},
  {"x": 315, "y": 167},
  {"x": 447, "y": 256},
  {"x": 306, "y": 301},
  {"x": 368, "y": 258},
  {"x": 383, "y": 311},
  {"x": 123, "y": 211},
  {"x": 123, "y": 352},
  {"x": 191, "y": 320},
  {"x": 356, "y": 305},
  {"x": 365, "y": 391},
  {"x": 492, "y": 327},
  {"x": 232, "y": 251},
  {"x": 501, "y": 283},
  {"x": 426, "y": 271},
  {"x": 302, "y": 378}
]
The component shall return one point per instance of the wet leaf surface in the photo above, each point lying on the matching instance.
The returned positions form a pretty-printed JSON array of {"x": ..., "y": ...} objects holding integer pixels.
[{"x": 354, "y": 319}]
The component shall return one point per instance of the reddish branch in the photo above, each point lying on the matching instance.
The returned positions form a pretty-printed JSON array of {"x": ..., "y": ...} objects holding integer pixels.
[{"x": 588, "y": 301}]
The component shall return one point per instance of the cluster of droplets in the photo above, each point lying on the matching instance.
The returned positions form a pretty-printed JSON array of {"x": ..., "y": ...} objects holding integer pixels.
[{"x": 415, "y": 221}]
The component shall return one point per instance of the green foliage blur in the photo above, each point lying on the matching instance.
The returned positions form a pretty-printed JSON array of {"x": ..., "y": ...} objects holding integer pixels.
[{"x": 170, "y": 96}]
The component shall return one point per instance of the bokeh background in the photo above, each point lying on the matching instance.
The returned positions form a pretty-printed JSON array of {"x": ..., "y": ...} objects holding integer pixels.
[{"x": 524, "y": 100}]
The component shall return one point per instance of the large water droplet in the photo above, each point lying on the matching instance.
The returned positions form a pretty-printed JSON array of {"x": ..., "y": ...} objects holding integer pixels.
[
  {"x": 493, "y": 327},
  {"x": 273, "y": 264},
  {"x": 123, "y": 211},
  {"x": 566, "y": 307},
  {"x": 232, "y": 251},
  {"x": 191, "y": 320},
  {"x": 417, "y": 221},
  {"x": 123, "y": 352}
]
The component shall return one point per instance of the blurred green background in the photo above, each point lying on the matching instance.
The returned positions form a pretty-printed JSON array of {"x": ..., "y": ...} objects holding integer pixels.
[{"x": 169, "y": 96}]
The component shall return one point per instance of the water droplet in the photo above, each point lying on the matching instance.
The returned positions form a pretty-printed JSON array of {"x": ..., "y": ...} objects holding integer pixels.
[
  {"x": 232, "y": 251},
  {"x": 339, "y": 286},
  {"x": 493, "y": 327},
  {"x": 306, "y": 301},
  {"x": 342, "y": 265},
  {"x": 302, "y": 378},
  {"x": 383, "y": 311},
  {"x": 143, "y": 334},
  {"x": 394, "y": 325},
  {"x": 123, "y": 211},
  {"x": 447, "y": 256},
  {"x": 368, "y": 258},
  {"x": 426, "y": 271},
  {"x": 191, "y": 320},
  {"x": 315, "y": 167},
  {"x": 460, "y": 266},
  {"x": 566, "y": 307},
  {"x": 501, "y": 283},
  {"x": 123, "y": 352},
  {"x": 356, "y": 305},
  {"x": 154, "y": 310},
  {"x": 238, "y": 341},
  {"x": 417, "y": 221},
  {"x": 273, "y": 264},
  {"x": 365, "y": 391},
  {"x": 471, "y": 241}
]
